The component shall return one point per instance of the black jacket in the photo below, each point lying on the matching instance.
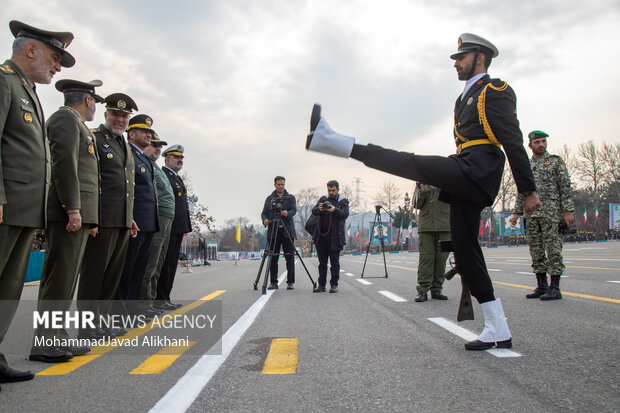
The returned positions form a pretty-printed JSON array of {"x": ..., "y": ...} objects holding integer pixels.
[
  {"x": 145, "y": 204},
  {"x": 335, "y": 221},
  {"x": 181, "y": 223},
  {"x": 289, "y": 204}
]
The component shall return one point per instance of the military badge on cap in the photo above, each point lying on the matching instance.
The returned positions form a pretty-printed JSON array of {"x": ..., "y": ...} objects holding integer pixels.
[
  {"x": 537, "y": 134},
  {"x": 176, "y": 150},
  {"x": 140, "y": 122},
  {"x": 120, "y": 102}
]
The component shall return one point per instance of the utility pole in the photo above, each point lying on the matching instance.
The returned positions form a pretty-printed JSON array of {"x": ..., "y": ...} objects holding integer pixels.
[{"x": 357, "y": 182}]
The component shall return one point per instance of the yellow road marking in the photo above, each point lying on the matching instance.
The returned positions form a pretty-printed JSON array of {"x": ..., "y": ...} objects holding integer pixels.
[
  {"x": 282, "y": 357},
  {"x": 567, "y": 266},
  {"x": 161, "y": 360},
  {"x": 528, "y": 287},
  {"x": 96, "y": 352},
  {"x": 389, "y": 265}
]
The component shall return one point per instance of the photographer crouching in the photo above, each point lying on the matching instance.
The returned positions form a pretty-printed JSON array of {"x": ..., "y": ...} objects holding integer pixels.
[
  {"x": 328, "y": 237},
  {"x": 278, "y": 212}
]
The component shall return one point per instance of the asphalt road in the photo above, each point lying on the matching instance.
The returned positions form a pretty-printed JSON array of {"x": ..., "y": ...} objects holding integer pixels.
[{"x": 369, "y": 347}]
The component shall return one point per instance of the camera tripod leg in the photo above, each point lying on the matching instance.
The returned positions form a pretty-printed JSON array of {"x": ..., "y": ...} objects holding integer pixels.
[{"x": 288, "y": 236}]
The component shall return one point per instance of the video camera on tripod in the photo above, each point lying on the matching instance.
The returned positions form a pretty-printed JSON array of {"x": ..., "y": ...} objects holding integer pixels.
[{"x": 277, "y": 204}]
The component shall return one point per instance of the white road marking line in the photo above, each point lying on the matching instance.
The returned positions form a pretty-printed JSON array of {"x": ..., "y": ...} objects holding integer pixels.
[
  {"x": 341, "y": 270},
  {"x": 410, "y": 262},
  {"x": 492, "y": 269},
  {"x": 181, "y": 396},
  {"x": 615, "y": 282},
  {"x": 469, "y": 336},
  {"x": 396, "y": 261},
  {"x": 392, "y": 296},
  {"x": 349, "y": 274},
  {"x": 526, "y": 273},
  {"x": 363, "y": 281}
]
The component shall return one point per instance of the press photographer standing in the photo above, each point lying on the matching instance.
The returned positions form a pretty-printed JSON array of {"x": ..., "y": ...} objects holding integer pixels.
[
  {"x": 328, "y": 237},
  {"x": 280, "y": 208}
]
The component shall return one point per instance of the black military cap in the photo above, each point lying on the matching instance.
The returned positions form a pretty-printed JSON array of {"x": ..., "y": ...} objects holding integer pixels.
[
  {"x": 537, "y": 134},
  {"x": 468, "y": 42},
  {"x": 140, "y": 122},
  {"x": 70, "y": 85},
  {"x": 120, "y": 102},
  {"x": 59, "y": 40},
  {"x": 157, "y": 139}
]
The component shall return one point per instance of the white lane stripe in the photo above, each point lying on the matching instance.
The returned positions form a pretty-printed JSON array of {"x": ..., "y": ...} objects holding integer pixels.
[
  {"x": 363, "y": 281},
  {"x": 181, "y": 396},
  {"x": 392, "y": 296},
  {"x": 526, "y": 273},
  {"x": 341, "y": 270},
  {"x": 492, "y": 269},
  {"x": 615, "y": 282},
  {"x": 349, "y": 274},
  {"x": 469, "y": 336}
]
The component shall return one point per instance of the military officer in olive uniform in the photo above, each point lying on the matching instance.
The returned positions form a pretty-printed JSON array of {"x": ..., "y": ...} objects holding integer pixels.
[
  {"x": 139, "y": 134},
  {"x": 105, "y": 250},
  {"x": 542, "y": 230},
  {"x": 24, "y": 161},
  {"x": 484, "y": 121},
  {"x": 72, "y": 207},
  {"x": 173, "y": 156}
]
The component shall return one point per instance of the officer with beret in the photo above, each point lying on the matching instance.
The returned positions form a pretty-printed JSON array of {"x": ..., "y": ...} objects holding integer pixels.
[
  {"x": 72, "y": 207},
  {"x": 104, "y": 257},
  {"x": 173, "y": 157},
  {"x": 159, "y": 247},
  {"x": 24, "y": 161},
  {"x": 542, "y": 230},
  {"x": 139, "y": 134},
  {"x": 485, "y": 120}
]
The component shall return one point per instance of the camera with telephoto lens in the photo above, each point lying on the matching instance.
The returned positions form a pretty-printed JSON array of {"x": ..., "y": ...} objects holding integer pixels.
[
  {"x": 277, "y": 204},
  {"x": 565, "y": 229},
  {"x": 327, "y": 205}
]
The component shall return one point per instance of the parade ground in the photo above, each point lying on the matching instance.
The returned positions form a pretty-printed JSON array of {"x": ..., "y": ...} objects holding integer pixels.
[{"x": 367, "y": 348}]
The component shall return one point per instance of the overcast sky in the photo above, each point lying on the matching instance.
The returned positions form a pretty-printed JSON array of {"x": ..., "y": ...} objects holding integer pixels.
[{"x": 234, "y": 81}]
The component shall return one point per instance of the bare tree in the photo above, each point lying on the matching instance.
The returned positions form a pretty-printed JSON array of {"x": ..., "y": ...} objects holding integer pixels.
[
  {"x": 590, "y": 167},
  {"x": 507, "y": 191},
  {"x": 610, "y": 156},
  {"x": 389, "y": 195},
  {"x": 199, "y": 216},
  {"x": 347, "y": 192},
  {"x": 306, "y": 199}
]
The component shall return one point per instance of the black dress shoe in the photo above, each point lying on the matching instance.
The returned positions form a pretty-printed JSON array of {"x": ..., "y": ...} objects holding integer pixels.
[
  {"x": 437, "y": 295},
  {"x": 478, "y": 345},
  {"x": 319, "y": 289},
  {"x": 9, "y": 375},
  {"x": 289, "y": 286},
  {"x": 175, "y": 305},
  {"x": 422, "y": 296},
  {"x": 76, "y": 350},
  {"x": 333, "y": 289},
  {"x": 273, "y": 286},
  {"x": 50, "y": 355}
]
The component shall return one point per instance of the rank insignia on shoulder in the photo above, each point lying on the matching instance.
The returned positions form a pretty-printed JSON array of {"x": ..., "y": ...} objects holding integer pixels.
[
  {"x": 6, "y": 68},
  {"x": 28, "y": 117},
  {"x": 93, "y": 130}
]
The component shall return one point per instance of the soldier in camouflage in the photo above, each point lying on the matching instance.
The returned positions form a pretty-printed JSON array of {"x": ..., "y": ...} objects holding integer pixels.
[{"x": 542, "y": 230}]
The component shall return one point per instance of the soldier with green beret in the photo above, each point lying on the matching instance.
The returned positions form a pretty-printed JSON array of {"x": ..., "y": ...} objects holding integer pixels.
[
  {"x": 105, "y": 251},
  {"x": 72, "y": 208},
  {"x": 542, "y": 230},
  {"x": 24, "y": 160}
]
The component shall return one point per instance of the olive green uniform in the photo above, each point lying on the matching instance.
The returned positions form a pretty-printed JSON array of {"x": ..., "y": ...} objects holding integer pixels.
[
  {"x": 24, "y": 184},
  {"x": 75, "y": 186},
  {"x": 105, "y": 254},
  {"x": 433, "y": 226},
  {"x": 553, "y": 186}
]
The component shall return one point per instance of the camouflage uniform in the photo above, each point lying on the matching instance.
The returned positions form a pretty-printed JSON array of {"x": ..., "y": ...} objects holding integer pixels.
[{"x": 554, "y": 189}]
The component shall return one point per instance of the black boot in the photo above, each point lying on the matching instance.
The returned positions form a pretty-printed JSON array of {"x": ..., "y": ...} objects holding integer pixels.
[
  {"x": 542, "y": 288},
  {"x": 554, "y": 290}
]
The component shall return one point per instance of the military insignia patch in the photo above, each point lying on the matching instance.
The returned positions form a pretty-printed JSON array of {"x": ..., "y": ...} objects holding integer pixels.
[
  {"x": 531, "y": 135},
  {"x": 28, "y": 117},
  {"x": 180, "y": 194},
  {"x": 91, "y": 149},
  {"x": 149, "y": 122},
  {"x": 460, "y": 42},
  {"x": 6, "y": 68},
  {"x": 142, "y": 169},
  {"x": 470, "y": 101},
  {"x": 110, "y": 156},
  {"x": 93, "y": 130},
  {"x": 121, "y": 104}
]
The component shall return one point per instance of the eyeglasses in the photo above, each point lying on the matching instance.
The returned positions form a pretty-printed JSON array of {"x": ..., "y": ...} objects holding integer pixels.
[{"x": 156, "y": 145}]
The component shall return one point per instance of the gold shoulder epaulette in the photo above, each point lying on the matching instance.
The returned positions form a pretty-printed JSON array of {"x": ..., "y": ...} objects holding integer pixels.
[
  {"x": 6, "y": 68},
  {"x": 93, "y": 130}
]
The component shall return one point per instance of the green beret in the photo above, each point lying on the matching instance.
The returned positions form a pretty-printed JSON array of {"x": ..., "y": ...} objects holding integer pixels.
[{"x": 537, "y": 134}]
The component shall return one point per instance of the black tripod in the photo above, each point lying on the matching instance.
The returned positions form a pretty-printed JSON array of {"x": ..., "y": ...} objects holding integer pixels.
[
  {"x": 377, "y": 219},
  {"x": 274, "y": 226}
]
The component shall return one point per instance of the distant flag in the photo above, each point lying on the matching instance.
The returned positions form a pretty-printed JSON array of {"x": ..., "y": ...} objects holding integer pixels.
[
  {"x": 238, "y": 233},
  {"x": 411, "y": 228},
  {"x": 349, "y": 231},
  {"x": 585, "y": 216},
  {"x": 596, "y": 214},
  {"x": 487, "y": 226},
  {"x": 357, "y": 234},
  {"x": 481, "y": 232},
  {"x": 499, "y": 227},
  {"x": 402, "y": 233}
]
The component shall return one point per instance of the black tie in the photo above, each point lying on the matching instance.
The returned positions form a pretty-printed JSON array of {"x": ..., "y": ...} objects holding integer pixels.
[{"x": 121, "y": 142}]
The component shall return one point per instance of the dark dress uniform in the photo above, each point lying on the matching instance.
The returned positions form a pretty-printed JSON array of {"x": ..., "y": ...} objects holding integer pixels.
[
  {"x": 75, "y": 186},
  {"x": 180, "y": 226},
  {"x": 24, "y": 184},
  {"x": 470, "y": 179},
  {"x": 145, "y": 215}
]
